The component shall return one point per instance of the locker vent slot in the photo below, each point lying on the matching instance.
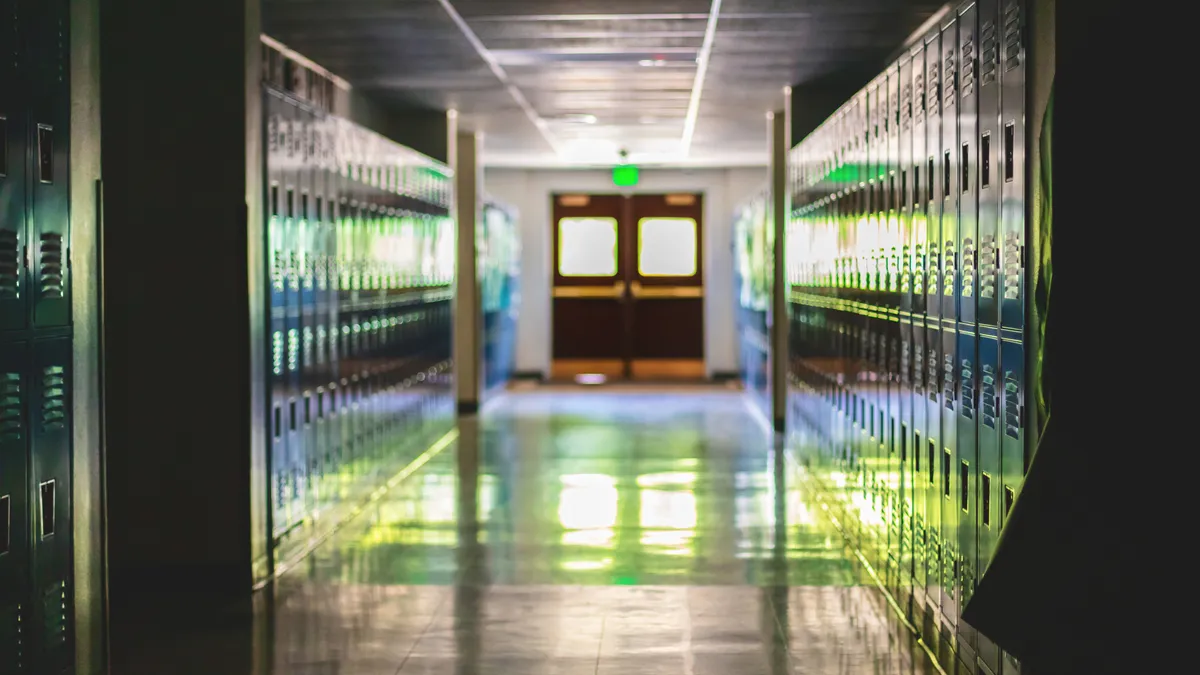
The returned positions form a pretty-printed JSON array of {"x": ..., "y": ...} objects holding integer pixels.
[
  {"x": 277, "y": 352},
  {"x": 12, "y": 426},
  {"x": 948, "y": 382},
  {"x": 54, "y": 394},
  {"x": 45, "y": 142},
  {"x": 946, "y": 472},
  {"x": 1010, "y": 496},
  {"x": 988, "y": 56},
  {"x": 988, "y": 400},
  {"x": 967, "y": 390},
  {"x": 965, "y": 485},
  {"x": 10, "y": 264},
  {"x": 50, "y": 266},
  {"x": 1010, "y": 140},
  {"x": 1012, "y": 406},
  {"x": 985, "y": 488},
  {"x": 931, "y": 374},
  {"x": 1012, "y": 35},
  {"x": 989, "y": 266},
  {"x": 54, "y": 607},
  {"x": 5, "y": 524},
  {"x": 1013, "y": 264},
  {"x": 46, "y": 500},
  {"x": 3, "y": 146}
]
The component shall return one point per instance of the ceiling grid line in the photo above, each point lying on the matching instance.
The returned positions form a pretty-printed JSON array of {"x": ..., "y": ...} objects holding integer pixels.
[{"x": 500, "y": 74}]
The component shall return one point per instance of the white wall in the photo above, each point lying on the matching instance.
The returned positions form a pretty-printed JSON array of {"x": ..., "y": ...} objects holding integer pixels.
[{"x": 529, "y": 191}]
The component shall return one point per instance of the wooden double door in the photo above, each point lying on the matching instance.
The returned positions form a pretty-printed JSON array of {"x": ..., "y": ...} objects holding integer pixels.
[{"x": 628, "y": 294}]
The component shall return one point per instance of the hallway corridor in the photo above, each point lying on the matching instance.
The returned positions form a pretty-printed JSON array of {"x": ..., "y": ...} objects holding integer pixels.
[{"x": 583, "y": 531}]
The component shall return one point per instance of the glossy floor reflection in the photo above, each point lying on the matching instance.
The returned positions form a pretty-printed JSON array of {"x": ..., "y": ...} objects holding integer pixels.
[{"x": 587, "y": 532}]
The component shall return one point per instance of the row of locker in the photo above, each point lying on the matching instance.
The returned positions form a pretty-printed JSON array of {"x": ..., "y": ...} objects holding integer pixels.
[
  {"x": 498, "y": 246},
  {"x": 360, "y": 266},
  {"x": 36, "y": 530},
  {"x": 905, "y": 262},
  {"x": 752, "y": 245}
]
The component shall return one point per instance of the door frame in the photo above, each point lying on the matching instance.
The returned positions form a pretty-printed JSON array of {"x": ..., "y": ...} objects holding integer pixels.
[{"x": 627, "y": 251}]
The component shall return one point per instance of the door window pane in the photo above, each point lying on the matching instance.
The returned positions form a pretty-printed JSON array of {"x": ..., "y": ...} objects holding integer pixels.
[
  {"x": 667, "y": 247},
  {"x": 587, "y": 247}
]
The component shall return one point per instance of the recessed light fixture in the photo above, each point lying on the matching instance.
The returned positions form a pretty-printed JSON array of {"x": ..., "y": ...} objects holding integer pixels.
[
  {"x": 579, "y": 118},
  {"x": 592, "y": 379},
  {"x": 649, "y": 63}
]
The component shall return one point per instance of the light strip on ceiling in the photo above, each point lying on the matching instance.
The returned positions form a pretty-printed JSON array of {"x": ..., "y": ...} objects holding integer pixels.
[
  {"x": 710, "y": 32},
  {"x": 500, "y": 74}
]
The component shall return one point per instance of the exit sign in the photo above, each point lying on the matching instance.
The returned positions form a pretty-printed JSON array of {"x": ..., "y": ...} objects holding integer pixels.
[{"x": 625, "y": 175}]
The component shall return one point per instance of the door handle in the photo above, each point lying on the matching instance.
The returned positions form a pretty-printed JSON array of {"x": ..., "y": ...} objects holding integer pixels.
[
  {"x": 664, "y": 292},
  {"x": 616, "y": 290}
]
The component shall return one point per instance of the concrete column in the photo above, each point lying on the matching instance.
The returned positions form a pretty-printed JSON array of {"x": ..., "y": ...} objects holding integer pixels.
[
  {"x": 87, "y": 461},
  {"x": 781, "y": 206},
  {"x": 182, "y": 245},
  {"x": 468, "y": 200}
]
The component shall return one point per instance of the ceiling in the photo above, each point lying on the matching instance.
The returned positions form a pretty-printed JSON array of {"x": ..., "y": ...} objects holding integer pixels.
[{"x": 572, "y": 82}]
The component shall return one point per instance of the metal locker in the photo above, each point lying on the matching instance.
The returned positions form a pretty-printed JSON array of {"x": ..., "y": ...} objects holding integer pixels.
[
  {"x": 902, "y": 417},
  {"x": 15, "y": 392},
  {"x": 50, "y": 502},
  {"x": 932, "y": 446},
  {"x": 48, "y": 139},
  {"x": 988, "y": 485},
  {"x": 949, "y": 469},
  {"x": 967, "y": 350},
  {"x": 913, "y": 367},
  {"x": 14, "y": 281},
  {"x": 1014, "y": 252}
]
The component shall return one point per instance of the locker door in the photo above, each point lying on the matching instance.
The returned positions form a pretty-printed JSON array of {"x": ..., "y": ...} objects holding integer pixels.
[
  {"x": 910, "y": 83},
  {"x": 950, "y": 470},
  {"x": 276, "y": 308},
  {"x": 50, "y": 499},
  {"x": 967, "y": 328},
  {"x": 48, "y": 139},
  {"x": 1013, "y": 256},
  {"x": 988, "y": 486},
  {"x": 914, "y": 434},
  {"x": 15, "y": 394},
  {"x": 929, "y": 360},
  {"x": 14, "y": 281}
]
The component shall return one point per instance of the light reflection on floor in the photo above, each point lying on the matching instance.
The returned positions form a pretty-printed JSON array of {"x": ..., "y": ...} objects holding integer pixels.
[{"x": 586, "y": 533}]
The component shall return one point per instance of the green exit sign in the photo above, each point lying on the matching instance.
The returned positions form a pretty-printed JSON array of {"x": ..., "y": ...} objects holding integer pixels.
[{"x": 625, "y": 175}]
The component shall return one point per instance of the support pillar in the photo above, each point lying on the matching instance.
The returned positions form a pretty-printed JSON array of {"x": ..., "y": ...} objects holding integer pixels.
[
  {"x": 468, "y": 201},
  {"x": 182, "y": 261},
  {"x": 780, "y": 125}
]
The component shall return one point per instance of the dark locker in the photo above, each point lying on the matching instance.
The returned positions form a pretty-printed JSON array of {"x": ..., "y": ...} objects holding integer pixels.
[
  {"x": 1012, "y": 171},
  {"x": 15, "y": 392},
  {"x": 988, "y": 485},
  {"x": 930, "y": 445},
  {"x": 50, "y": 505},
  {"x": 967, "y": 354},
  {"x": 48, "y": 136},
  {"x": 14, "y": 281},
  {"x": 950, "y": 469}
]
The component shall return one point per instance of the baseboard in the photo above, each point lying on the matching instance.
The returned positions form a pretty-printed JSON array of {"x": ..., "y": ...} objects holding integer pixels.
[
  {"x": 528, "y": 375},
  {"x": 726, "y": 375}
]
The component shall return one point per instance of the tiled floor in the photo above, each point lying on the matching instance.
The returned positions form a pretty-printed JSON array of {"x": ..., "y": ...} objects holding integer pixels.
[
  {"x": 572, "y": 531},
  {"x": 581, "y": 531}
]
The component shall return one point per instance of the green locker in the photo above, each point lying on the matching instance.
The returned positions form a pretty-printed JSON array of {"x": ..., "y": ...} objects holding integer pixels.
[{"x": 15, "y": 518}]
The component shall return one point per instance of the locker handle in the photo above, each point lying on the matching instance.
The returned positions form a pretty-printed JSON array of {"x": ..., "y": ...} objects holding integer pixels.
[
  {"x": 5, "y": 524},
  {"x": 46, "y": 497},
  {"x": 45, "y": 140}
]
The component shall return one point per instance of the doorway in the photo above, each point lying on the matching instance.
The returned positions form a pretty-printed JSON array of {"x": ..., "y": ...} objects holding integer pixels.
[{"x": 628, "y": 292}]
